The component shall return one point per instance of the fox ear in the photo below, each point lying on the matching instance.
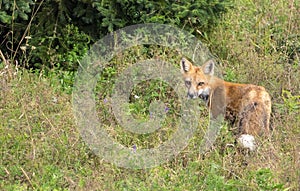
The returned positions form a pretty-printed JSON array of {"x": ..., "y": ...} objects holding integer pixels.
[
  {"x": 209, "y": 67},
  {"x": 186, "y": 66}
]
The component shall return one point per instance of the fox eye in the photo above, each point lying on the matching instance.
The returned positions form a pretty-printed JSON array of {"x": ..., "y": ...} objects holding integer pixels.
[
  {"x": 188, "y": 83},
  {"x": 200, "y": 83}
]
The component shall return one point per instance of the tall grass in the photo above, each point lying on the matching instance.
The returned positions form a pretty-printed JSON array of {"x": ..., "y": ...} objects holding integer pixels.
[{"x": 256, "y": 42}]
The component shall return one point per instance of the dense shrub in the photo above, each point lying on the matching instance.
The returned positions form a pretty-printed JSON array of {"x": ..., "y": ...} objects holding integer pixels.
[{"x": 57, "y": 33}]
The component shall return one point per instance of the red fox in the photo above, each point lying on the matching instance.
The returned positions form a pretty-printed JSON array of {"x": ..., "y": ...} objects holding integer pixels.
[{"x": 247, "y": 106}]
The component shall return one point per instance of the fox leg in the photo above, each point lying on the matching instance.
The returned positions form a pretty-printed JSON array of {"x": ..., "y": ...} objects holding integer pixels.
[{"x": 253, "y": 121}]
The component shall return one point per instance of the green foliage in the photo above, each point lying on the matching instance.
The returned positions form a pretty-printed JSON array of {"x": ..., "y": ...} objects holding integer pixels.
[
  {"x": 291, "y": 103},
  {"x": 47, "y": 40},
  {"x": 265, "y": 180},
  {"x": 230, "y": 75},
  {"x": 147, "y": 92},
  {"x": 16, "y": 10},
  {"x": 192, "y": 15},
  {"x": 213, "y": 180},
  {"x": 60, "y": 80},
  {"x": 57, "y": 33},
  {"x": 14, "y": 18},
  {"x": 62, "y": 51}
]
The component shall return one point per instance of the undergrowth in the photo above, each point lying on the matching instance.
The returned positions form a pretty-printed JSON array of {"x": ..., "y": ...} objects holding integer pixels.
[{"x": 257, "y": 42}]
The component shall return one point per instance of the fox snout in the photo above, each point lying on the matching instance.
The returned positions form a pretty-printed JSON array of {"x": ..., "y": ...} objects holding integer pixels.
[
  {"x": 192, "y": 95},
  {"x": 202, "y": 93}
]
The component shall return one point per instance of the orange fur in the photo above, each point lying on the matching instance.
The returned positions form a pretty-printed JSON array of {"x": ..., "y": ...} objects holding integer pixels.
[{"x": 247, "y": 106}]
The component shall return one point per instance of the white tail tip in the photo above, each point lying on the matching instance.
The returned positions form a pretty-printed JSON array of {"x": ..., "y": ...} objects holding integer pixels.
[{"x": 247, "y": 141}]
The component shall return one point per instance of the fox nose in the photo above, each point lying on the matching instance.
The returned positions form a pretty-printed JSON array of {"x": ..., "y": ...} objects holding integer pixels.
[{"x": 191, "y": 96}]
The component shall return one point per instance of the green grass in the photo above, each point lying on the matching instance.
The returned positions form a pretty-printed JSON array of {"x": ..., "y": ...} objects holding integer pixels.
[{"x": 256, "y": 42}]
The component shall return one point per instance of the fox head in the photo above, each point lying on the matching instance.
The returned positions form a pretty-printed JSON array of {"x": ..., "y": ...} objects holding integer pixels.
[{"x": 197, "y": 79}]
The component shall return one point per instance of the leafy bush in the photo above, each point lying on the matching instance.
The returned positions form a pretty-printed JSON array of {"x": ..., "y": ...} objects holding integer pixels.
[
  {"x": 57, "y": 33},
  {"x": 62, "y": 51},
  {"x": 14, "y": 17},
  {"x": 17, "y": 10},
  {"x": 200, "y": 14}
]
